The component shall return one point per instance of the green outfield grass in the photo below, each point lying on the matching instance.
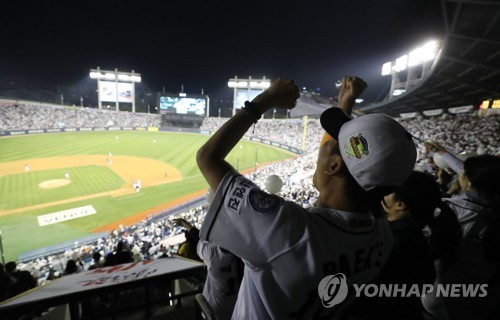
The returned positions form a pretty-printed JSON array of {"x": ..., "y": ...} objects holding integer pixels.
[
  {"x": 21, "y": 232},
  {"x": 23, "y": 190}
]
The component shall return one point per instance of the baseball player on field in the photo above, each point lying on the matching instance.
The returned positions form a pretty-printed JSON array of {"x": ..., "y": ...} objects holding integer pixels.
[{"x": 287, "y": 249}]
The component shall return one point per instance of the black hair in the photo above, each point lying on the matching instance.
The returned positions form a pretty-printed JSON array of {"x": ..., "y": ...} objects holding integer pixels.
[
  {"x": 10, "y": 266},
  {"x": 71, "y": 267},
  {"x": 422, "y": 196},
  {"x": 96, "y": 255},
  {"x": 483, "y": 173}
]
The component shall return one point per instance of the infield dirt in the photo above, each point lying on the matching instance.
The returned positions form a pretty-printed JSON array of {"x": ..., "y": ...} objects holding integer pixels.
[{"x": 151, "y": 172}]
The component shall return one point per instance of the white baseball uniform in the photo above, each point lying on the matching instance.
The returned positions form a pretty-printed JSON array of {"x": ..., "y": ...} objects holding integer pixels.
[
  {"x": 287, "y": 249},
  {"x": 223, "y": 278},
  {"x": 475, "y": 216}
]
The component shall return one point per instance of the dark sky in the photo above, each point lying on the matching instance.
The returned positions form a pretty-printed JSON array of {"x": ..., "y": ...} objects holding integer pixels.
[{"x": 201, "y": 44}]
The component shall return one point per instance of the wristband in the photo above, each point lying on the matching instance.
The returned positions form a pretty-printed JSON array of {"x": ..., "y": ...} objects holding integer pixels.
[{"x": 250, "y": 110}]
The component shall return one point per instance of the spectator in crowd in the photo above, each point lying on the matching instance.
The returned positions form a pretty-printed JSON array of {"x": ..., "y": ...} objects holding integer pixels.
[
  {"x": 96, "y": 258},
  {"x": 5, "y": 282},
  {"x": 478, "y": 211},
  {"x": 123, "y": 254},
  {"x": 187, "y": 249},
  {"x": 288, "y": 250},
  {"x": 110, "y": 260},
  {"x": 224, "y": 272},
  {"x": 224, "y": 276},
  {"x": 410, "y": 209},
  {"x": 71, "y": 267},
  {"x": 22, "y": 279}
]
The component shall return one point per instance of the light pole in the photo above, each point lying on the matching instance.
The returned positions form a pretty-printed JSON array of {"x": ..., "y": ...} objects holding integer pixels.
[
  {"x": 256, "y": 163},
  {"x": 1, "y": 248}
]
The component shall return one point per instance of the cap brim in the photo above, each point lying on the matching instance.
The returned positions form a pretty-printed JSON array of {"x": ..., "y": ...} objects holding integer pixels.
[{"x": 333, "y": 119}]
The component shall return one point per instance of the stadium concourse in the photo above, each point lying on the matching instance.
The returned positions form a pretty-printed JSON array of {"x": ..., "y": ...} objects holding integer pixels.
[{"x": 466, "y": 134}]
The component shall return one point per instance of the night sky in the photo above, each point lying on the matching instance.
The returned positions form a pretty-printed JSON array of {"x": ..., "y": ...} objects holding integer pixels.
[{"x": 201, "y": 44}]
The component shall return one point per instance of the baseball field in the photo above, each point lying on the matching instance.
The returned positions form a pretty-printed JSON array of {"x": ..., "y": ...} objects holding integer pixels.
[{"x": 64, "y": 186}]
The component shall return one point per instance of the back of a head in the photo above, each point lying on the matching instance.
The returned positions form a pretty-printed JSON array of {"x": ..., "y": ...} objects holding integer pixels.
[
  {"x": 423, "y": 198},
  {"x": 96, "y": 256},
  {"x": 120, "y": 246},
  {"x": 421, "y": 195},
  {"x": 71, "y": 266},
  {"x": 483, "y": 173},
  {"x": 10, "y": 267}
]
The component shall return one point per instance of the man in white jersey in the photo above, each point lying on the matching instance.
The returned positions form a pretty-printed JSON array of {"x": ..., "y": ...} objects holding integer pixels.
[
  {"x": 288, "y": 250},
  {"x": 224, "y": 273}
]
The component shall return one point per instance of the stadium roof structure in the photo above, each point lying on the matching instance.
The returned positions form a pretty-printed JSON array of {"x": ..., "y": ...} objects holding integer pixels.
[{"x": 468, "y": 68}]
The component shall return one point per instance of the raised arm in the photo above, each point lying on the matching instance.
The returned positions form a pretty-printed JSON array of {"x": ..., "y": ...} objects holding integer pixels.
[
  {"x": 350, "y": 89},
  {"x": 283, "y": 93}
]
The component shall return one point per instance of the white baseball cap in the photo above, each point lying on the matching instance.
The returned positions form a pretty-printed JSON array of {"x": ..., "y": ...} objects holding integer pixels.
[{"x": 377, "y": 150}]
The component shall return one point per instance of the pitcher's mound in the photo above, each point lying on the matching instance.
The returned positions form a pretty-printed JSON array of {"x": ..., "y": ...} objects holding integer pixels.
[{"x": 55, "y": 183}]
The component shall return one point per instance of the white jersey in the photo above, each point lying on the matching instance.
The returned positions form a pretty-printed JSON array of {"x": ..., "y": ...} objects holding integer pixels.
[
  {"x": 288, "y": 250},
  {"x": 474, "y": 216},
  {"x": 223, "y": 278}
]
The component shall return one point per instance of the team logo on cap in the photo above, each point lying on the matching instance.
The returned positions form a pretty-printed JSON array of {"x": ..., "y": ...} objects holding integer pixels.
[{"x": 357, "y": 146}]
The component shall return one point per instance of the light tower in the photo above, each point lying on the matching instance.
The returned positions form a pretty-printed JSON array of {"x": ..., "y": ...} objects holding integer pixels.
[
  {"x": 114, "y": 86},
  {"x": 410, "y": 69},
  {"x": 246, "y": 89}
]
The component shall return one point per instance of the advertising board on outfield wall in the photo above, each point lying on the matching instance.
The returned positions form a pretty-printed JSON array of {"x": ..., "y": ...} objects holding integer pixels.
[{"x": 150, "y": 129}]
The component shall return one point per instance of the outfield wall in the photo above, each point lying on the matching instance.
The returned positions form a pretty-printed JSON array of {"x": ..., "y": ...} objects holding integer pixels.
[{"x": 152, "y": 129}]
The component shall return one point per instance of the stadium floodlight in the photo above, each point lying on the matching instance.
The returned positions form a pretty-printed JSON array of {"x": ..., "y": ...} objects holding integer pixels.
[
  {"x": 122, "y": 77},
  {"x": 386, "y": 69},
  {"x": 401, "y": 63},
  {"x": 398, "y": 92},
  {"x": 135, "y": 78},
  {"x": 95, "y": 75},
  {"x": 265, "y": 84},
  {"x": 411, "y": 68},
  {"x": 109, "y": 76},
  {"x": 415, "y": 57},
  {"x": 429, "y": 51}
]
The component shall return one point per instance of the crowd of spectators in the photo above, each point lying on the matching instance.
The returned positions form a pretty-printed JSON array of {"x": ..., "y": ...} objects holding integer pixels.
[
  {"x": 31, "y": 117},
  {"x": 151, "y": 238}
]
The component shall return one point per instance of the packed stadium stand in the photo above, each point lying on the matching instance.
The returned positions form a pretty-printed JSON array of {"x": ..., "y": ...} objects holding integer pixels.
[
  {"x": 149, "y": 239},
  {"x": 466, "y": 73}
]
